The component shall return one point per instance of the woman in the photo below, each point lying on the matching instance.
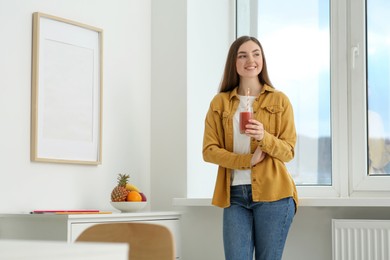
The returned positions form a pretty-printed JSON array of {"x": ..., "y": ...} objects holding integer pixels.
[{"x": 253, "y": 184}]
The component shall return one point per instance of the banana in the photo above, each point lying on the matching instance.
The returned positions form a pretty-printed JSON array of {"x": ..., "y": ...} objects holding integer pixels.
[{"x": 130, "y": 187}]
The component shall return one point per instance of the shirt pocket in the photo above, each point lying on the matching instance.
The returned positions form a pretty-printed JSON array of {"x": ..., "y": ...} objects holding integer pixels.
[
  {"x": 272, "y": 119},
  {"x": 226, "y": 119}
]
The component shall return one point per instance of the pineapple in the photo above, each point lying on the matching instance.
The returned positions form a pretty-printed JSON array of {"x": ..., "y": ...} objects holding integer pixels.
[{"x": 119, "y": 193}]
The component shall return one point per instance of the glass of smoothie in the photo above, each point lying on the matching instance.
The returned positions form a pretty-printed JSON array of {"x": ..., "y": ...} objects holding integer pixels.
[{"x": 244, "y": 119}]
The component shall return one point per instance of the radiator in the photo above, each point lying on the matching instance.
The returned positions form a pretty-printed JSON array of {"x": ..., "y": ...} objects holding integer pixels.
[{"x": 357, "y": 239}]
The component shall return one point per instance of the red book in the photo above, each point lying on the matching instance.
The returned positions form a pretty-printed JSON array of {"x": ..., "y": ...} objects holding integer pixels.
[{"x": 65, "y": 211}]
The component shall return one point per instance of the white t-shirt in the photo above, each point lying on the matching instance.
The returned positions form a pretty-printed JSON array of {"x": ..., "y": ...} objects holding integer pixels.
[{"x": 241, "y": 142}]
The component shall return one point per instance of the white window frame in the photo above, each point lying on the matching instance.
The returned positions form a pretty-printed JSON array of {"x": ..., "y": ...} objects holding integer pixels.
[
  {"x": 338, "y": 96},
  {"x": 351, "y": 185},
  {"x": 361, "y": 184},
  {"x": 348, "y": 106},
  {"x": 339, "y": 108}
]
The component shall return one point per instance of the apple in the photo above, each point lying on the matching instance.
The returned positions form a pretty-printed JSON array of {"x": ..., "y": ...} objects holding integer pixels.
[{"x": 143, "y": 196}]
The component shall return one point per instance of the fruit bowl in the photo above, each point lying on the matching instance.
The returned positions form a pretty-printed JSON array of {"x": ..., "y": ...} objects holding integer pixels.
[{"x": 129, "y": 206}]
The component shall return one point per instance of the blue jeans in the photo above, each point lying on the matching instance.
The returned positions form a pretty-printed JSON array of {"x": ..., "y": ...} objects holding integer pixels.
[{"x": 255, "y": 226}]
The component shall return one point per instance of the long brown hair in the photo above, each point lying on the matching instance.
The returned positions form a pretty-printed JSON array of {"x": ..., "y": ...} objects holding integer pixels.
[{"x": 230, "y": 78}]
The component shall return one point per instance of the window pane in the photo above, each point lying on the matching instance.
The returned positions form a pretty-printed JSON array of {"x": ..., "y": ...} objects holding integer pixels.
[
  {"x": 378, "y": 86},
  {"x": 296, "y": 43}
]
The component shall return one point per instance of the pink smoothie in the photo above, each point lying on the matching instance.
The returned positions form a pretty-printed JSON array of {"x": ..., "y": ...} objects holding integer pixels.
[{"x": 244, "y": 120}]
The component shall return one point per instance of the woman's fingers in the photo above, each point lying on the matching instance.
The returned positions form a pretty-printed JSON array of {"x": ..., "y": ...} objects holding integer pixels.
[{"x": 255, "y": 129}]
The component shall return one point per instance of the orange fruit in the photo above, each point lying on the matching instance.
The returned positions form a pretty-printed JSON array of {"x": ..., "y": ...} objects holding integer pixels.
[{"x": 134, "y": 196}]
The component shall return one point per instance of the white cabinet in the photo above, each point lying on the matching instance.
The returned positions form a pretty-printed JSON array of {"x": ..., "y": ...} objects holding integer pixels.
[{"x": 69, "y": 227}]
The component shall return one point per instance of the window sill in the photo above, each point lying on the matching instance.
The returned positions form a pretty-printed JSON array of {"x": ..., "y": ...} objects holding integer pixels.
[{"x": 303, "y": 202}]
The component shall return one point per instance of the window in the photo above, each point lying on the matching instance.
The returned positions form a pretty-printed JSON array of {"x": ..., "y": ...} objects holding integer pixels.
[
  {"x": 332, "y": 59},
  {"x": 378, "y": 86},
  {"x": 298, "y": 59},
  {"x": 370, "y": 94}
]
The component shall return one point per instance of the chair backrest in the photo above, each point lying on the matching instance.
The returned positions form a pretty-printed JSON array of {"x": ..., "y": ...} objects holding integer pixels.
[{"x": 146, "y": 241}]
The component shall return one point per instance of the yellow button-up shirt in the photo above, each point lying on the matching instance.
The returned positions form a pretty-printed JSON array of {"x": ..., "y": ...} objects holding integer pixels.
[{"x": 271, "y": 180}]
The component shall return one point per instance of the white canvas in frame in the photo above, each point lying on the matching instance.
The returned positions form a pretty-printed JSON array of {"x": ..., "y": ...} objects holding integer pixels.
[{"x": 66, "y": 91}]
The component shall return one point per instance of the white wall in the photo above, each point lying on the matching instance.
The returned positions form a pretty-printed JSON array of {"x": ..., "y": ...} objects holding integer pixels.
[
  {"x": 145, "y": 82},
  {"x": 168, "y": 101},
  {"x": 27, "y": 185},
  {"x": 208, "y": 45},
  {"x": 189, "y": 39}
]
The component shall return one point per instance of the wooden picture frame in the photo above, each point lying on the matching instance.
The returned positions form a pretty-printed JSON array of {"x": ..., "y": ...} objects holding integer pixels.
[{"x": 66, "y": 105}]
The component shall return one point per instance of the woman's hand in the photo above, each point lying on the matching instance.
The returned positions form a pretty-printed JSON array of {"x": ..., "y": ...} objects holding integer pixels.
[
  {"x": 255, "y": 129},
  {"x": 257, "y": 157}
]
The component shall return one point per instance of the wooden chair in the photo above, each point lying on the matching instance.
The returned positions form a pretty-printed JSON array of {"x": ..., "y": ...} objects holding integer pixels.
[{"x": 146, "y": 241}]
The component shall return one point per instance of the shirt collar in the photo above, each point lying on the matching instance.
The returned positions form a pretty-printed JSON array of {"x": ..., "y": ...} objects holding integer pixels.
[{"x": 266, "y": 87}]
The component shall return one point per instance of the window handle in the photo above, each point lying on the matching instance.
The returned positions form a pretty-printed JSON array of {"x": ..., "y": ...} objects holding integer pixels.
[{"x": 355, "y": 53}]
